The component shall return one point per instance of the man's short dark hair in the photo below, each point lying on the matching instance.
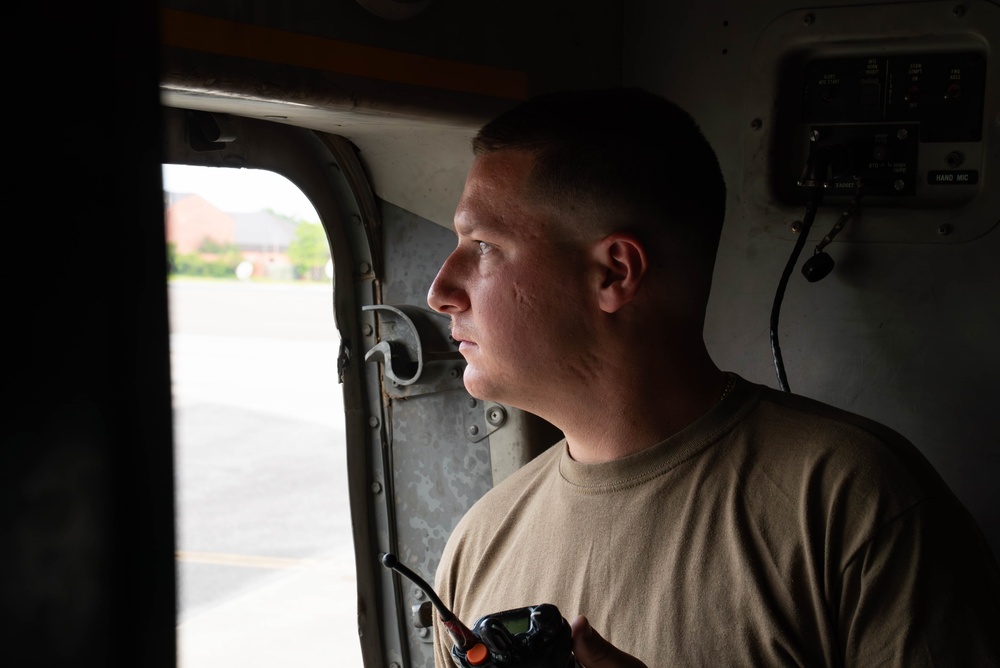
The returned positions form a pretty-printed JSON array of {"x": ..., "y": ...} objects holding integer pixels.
[{"x": 634, "y": 154}]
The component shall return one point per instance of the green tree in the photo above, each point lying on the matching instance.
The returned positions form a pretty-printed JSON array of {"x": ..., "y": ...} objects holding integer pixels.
[
  {"x": 210, "y": 245},
  {"x": 212, "y": 260},
  {"x": 309, "y": 250}
]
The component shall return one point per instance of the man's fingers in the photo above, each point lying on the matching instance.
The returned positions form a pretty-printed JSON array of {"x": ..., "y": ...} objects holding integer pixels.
[{"x": 593, "y": 651}]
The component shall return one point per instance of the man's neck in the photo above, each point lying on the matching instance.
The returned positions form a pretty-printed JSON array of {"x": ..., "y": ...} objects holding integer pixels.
[{"x": 618, "y": 419}]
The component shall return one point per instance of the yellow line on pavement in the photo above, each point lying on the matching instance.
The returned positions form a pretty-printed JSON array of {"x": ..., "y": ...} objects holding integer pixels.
[{"x": 248, "y": 561}]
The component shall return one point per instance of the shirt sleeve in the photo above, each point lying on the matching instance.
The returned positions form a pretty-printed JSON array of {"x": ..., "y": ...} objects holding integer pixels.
[{"x": 924, "y": 591}]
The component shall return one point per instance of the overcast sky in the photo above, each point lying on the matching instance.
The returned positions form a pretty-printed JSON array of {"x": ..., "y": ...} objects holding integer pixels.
[{"x": 240, "y": 190}]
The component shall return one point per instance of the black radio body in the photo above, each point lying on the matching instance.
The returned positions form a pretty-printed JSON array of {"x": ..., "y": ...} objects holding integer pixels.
[{"x": 534, "y": 637}]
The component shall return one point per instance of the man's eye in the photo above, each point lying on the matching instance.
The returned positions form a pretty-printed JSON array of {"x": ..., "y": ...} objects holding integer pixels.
[{"x": 484, "y": 247}]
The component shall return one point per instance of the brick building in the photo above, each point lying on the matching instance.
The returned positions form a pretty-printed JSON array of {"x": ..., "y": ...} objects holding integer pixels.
[{"x": 262, "y": 237}]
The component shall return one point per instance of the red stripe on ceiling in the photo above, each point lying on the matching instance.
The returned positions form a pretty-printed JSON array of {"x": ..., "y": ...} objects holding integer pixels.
[{"x": 229, "y": 38}]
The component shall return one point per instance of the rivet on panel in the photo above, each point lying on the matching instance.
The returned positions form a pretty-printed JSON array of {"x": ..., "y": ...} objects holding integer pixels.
[
  {"x": 756, "y": 124},
  {"x": 473, "y": 430},
  {"x": 496, "y": 416},
  {"x": 796, "y": 226},
  {"x": 373, "y": 421}
]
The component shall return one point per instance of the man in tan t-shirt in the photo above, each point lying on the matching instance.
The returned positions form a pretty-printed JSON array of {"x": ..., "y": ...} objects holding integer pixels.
[{"x": 691, "y": 517}]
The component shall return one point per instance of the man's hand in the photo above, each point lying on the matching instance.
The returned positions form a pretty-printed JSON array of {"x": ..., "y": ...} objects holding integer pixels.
[{"x": 593, "y": 651}]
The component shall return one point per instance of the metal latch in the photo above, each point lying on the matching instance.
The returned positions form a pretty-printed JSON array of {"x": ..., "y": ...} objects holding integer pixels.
[{"x": 412, "y": 339}]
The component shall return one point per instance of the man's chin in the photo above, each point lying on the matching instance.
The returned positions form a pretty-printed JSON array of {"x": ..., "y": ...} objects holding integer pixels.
[{"x": 478, "y": 386}]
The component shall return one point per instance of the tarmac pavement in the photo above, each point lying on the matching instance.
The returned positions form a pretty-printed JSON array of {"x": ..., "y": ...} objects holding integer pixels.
[
  {"x": 299, "y": 620},
  {"x": 265, "y": 558}
]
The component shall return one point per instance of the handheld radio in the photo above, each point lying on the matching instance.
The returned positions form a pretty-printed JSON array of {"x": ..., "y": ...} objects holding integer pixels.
[{"x": 533, "y": 637}]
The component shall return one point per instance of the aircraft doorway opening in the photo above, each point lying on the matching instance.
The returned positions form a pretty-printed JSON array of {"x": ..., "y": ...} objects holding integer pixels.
[{"x": 265, "y": 556}]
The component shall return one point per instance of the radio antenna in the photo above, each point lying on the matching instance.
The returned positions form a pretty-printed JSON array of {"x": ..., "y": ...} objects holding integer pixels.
[{"x": 460, "y": 633}]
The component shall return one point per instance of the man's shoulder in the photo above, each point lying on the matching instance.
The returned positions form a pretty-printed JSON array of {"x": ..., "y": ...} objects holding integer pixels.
[
  {"x": 799, "y": 412},
  {"x": 801, "y": 441},
  {"x": 841, "y": 478},
  {"x": 793, "y": 423}
]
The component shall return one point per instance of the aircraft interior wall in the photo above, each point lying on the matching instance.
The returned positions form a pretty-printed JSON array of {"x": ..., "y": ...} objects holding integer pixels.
[{"x": 903, "y": 329}]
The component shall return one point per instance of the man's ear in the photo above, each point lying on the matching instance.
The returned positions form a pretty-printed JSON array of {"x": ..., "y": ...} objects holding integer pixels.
[{"x": 623, "y": 264}]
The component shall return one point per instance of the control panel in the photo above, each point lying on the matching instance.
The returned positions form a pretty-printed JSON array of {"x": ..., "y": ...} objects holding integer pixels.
[
  {"x": 908, "y": 126},
  {"x": 901, "y": 98}
]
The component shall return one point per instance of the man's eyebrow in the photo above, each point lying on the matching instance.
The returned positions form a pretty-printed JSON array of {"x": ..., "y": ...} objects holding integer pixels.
[{"x": 467, "y": 225}]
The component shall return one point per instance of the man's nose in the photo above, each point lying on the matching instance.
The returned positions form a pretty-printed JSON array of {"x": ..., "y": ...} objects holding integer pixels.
[{"x": 447, "y": 293}]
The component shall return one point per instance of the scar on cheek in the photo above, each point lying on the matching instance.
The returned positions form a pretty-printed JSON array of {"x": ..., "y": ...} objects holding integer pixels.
[{"x": 522, "y": 296}]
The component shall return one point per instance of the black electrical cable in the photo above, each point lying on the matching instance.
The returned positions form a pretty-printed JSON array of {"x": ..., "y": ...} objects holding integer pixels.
[
  {"x": 459, "y": 632},
  {"x": 815, "y": 197}
]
